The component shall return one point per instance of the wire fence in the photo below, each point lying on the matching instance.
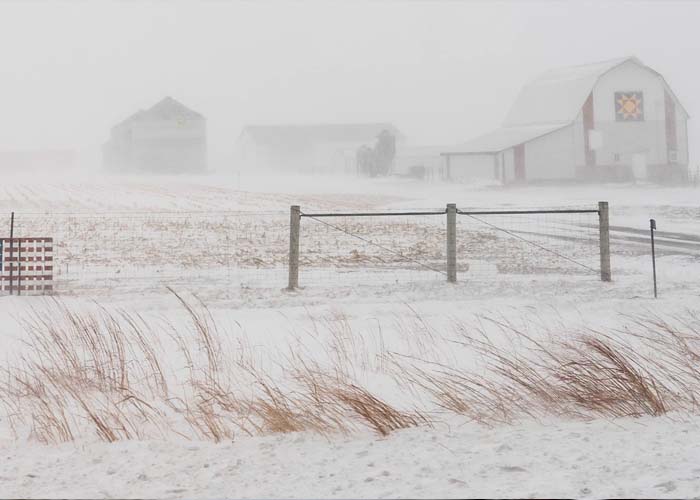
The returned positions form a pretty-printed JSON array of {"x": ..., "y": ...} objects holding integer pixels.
[
  {"x": 366, "y": 249},
  {"x": 565, "y": 243},
  {"x": 219, "y": 252},
  {"x": 134, "y": 252},
  {"x": 412, "y": 246}
]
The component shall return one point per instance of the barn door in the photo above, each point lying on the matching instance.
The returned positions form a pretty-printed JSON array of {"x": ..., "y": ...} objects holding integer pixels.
[{"x": 519, "y": 161}]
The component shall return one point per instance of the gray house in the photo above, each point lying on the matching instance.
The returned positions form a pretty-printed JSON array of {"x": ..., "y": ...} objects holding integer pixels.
[{"x": 166, "y": 138}]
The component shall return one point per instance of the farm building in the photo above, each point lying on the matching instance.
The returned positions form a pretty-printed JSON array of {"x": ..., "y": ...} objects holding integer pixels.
[
  {"x": 329, "y": 148},
  {"x": 616, "y": 120},
  {"x": 166, "y": 138}
]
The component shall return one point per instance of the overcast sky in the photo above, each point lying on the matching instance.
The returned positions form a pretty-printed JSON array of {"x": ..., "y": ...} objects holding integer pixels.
[{"x": 443, "y": 72}]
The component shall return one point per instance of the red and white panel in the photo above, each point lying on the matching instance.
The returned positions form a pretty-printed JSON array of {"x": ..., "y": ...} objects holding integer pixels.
[{"x": 27, "y": 266}]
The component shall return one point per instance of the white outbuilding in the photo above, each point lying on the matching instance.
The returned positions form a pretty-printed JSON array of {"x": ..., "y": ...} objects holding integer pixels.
[{"x": 616, "y": 120}]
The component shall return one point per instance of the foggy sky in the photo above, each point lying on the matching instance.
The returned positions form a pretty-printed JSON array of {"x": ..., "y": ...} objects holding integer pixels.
[{"x": 443, "y": 72}]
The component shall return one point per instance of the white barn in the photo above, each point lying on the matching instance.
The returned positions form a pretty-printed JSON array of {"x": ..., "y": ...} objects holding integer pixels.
[
  {"x": 613, "y": 120},
  {"x": 166, "y": 138}
]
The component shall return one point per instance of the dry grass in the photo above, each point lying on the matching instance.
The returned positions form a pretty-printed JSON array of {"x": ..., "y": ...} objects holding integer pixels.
[
  {"x": 109, "y": 374},
  {"x": 649, "y": 370}
]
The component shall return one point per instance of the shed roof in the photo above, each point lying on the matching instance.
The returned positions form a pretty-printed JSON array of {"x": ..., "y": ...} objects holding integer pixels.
[{"x": 503, "y": 138}]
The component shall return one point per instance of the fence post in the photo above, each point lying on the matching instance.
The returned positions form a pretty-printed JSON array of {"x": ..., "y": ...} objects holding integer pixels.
[
  {"x": 12, "y": 233},
  {"x": 604, "y": 227},
  {"x": 19, "y": 268},
  {"x": 451, "y": 243},
  {"x": 652, "y": 228},
  {"x": 294, "y": 223}
]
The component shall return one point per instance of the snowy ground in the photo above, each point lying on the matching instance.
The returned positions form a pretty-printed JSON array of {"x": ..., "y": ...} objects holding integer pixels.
[
  {"x": 639, "y": 458},
  {"x": 651, "y": 457}
]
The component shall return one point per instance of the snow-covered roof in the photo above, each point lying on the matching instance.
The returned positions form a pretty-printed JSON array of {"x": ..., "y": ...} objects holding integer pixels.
[
  {"x": 503, "y": 138},
  {"x": 550, "y": 102},
  {"x": 557, "y": 95}
]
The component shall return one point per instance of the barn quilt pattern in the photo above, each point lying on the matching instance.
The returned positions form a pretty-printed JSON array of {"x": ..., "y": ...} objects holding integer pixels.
[{"x": 629, "y": 106}]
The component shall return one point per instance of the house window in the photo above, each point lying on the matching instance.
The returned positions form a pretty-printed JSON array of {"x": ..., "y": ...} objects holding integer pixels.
[{"x": 629, "y": 106}]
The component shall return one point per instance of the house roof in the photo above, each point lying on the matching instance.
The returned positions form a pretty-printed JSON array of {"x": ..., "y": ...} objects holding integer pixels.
[
  {"x": 549, "y": 102},
  {"x": 284, "y": 134}
]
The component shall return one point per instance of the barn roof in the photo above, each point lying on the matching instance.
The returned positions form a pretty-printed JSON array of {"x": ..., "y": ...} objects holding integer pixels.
[
  {"x": 549, "y": 102},
  {"x": 557, "y": 96},
  {"x": 281, "y": 134}
]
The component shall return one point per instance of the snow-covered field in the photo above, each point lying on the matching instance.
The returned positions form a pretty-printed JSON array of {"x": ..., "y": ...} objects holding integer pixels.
[{"x": 375, "y": 323}]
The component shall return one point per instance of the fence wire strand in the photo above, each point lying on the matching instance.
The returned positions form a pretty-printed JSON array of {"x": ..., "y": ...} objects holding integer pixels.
[
  {"x": 377, "y": 245},
  {"x": 534, "y": 244},
  {"x": 217, "y": 252}
]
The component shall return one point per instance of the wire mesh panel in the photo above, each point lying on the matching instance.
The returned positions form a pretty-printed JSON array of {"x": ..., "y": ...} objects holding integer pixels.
[
  {"x": 527, "y": 244},
  {"x": 134, "y": 252},
  {"x": 370, "y": 249}
]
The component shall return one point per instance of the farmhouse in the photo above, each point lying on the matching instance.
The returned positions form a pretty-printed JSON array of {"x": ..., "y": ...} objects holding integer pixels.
[
  {"x": 324, "y": 148},
  {"x": 616, "y": 120},
  {"x": 166, "y": 138}
]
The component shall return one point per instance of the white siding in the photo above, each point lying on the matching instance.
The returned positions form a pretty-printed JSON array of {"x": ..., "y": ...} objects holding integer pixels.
[
  {"x": 682, "y": 136},
  {"x": 578, "y": 141},
  {"x": 623, "y": 140},
  {"x": 551, "y": 157},
  {"x": 471, "y": 168}
]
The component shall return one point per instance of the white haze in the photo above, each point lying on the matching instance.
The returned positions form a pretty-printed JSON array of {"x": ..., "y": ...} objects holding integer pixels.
[{"x": 442, "y": 71}]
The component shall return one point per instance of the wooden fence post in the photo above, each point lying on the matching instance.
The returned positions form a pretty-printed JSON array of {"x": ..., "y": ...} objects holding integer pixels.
[
  {"x": 294, "y": 224},
  {"x": 452, "y": 243},
  {"x": 604, "y": 227},
  {"x": 12, "y": 233}
]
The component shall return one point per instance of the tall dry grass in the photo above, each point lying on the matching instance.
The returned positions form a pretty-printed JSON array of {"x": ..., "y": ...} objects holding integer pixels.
[{"x": 117, "y": 376}]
